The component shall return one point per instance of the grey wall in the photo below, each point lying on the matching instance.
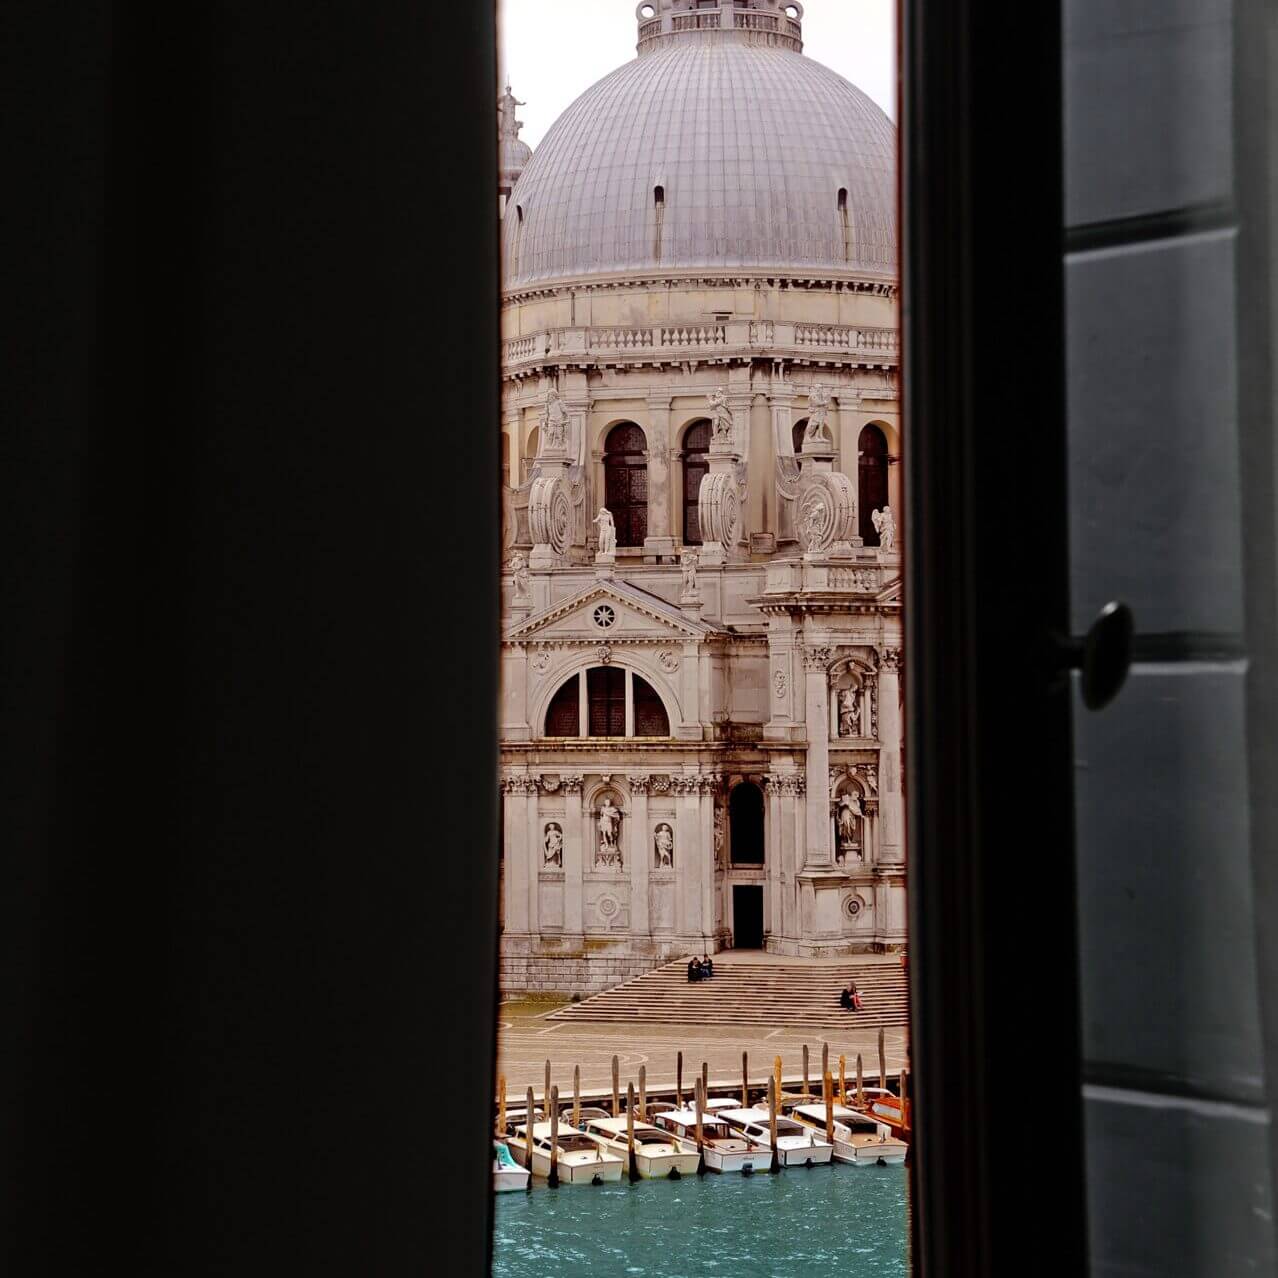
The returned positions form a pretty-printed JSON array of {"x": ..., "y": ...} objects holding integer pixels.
[{"x": 1171, "y": 425}]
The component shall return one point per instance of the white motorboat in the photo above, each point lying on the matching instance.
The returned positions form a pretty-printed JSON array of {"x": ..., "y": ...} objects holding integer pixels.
[
  {"x": 725, "y": 1150},
  {"x": 858, "y": 1137},
  {"x": 797, "y": 1146},
  {"x": 508, "y": 1175},
  {"x": 658, "y": 1154},
  {"x": 579, "y": 1159}
]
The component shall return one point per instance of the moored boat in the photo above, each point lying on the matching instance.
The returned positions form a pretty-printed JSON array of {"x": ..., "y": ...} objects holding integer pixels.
[
  {"x": 797, "y": 1146},
  {"x": 859, "y": 1138},
  {"x": 885, "y": 1106},
  {"x": 579, "y": 1159},
  {"x": 724, "y": 1149},
  {"x": 658, "y": 1154},
  {"x": 508, "y": 1175}
]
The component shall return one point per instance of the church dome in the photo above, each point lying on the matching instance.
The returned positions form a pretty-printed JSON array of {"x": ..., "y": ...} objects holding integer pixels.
[{"x": 721, "y": 147}]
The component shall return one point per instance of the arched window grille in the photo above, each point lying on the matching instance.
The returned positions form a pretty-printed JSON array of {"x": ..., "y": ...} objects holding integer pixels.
[
  {"x": 696, "y": 464},
  {"x": 872, "y": 480},
  {"x": 611, "y": 701},
  {"x": 626, "y": 482}
]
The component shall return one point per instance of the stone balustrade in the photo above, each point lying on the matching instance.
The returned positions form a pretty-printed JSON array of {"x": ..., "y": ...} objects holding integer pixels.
[
  {"x": 776, "y": 28},
  {"x": 874, "y": 347}
]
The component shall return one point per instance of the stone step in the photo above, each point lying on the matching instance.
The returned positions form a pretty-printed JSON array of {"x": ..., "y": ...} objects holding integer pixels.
[{"x": 745, "y": 992}]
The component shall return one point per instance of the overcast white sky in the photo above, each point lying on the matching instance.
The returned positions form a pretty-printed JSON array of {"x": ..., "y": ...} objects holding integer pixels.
[{"x": 554, "y": 50}]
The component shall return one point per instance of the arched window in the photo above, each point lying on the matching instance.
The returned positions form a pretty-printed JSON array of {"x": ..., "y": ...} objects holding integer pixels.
[
  {"x": 659, "y": 203},
  {"x": 846, "y": 224},
  {"x": 800, "y": 429},
  {"x": 650, "y": 716},
  {"x": 529, "y": 458},
  {"x": 696, "y": 447},
  {"x": 563, "y": 719},
  {"x": 872, "y": 480},
  {"x": 745, "y": 816},
  {"x": 617, "y": 703},
  {"x": 626, "y": 483}
]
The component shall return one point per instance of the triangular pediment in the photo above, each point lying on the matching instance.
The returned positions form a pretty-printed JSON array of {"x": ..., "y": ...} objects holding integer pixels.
[
  {"x": 635, "y": 615},
  {"x": 891, "y": 593}
]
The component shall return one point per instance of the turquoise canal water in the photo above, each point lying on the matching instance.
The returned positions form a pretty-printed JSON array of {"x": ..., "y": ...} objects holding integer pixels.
[{"x": 847, "y": 1222}]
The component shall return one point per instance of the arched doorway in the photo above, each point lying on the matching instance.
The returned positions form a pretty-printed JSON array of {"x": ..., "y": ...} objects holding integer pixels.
[
  {"x": 872, "y": 480},
  {"x": 626, "y": 482}
]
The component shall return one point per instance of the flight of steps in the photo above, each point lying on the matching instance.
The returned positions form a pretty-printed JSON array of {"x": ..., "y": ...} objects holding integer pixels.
[{"x": 752, "y": 993}]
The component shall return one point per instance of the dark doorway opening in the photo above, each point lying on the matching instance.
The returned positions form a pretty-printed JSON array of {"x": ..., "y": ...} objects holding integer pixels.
[
  {"x": 747, "y": 917},
  {"x": 872, "y": 477},
  {"x": 745, "y": 813}
]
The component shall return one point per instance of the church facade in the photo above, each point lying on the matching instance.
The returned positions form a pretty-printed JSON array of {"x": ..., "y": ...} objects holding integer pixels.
[{"x": 701, "y": 726}]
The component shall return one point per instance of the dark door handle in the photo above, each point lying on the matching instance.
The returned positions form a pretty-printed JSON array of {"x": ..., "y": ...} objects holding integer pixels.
[{"x": 1104, "y": 655}]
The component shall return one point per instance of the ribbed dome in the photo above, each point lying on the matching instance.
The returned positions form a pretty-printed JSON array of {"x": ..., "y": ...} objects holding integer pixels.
[{"x": 751, "y": 147}]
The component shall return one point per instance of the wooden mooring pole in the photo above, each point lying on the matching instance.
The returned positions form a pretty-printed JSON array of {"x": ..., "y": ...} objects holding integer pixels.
[
  {"x": 827, "y": 1090},
  {"x": 616, "y": 1083},
  {"x": 643, "y": 1093},
  {"x": 705, "y": 1081},
  {"x": 772, "y": 1125},
  {"x": 825, "y": 1059},
  {"x": 745, "y": 1080},
  {"x": 860, "y": 1083},
  {"x": 699, "y": 1103},
  {"x": 776, "y": 1073},
  {"x": 843, "y": 1079},
  {"x": 679, "y": 1081},
  {"x": 630, "y": 1131},
  {"x": 553, "y": 1179},
  {"x": 806, "y": 1089},
  {"x": 576, "y": 1095},
  {"x": 545, "y": 1092},
  {"x": 528, "y": 1133},
  {"x": 882, "y": 1062},
  {"x": 501, "y": 1105}
]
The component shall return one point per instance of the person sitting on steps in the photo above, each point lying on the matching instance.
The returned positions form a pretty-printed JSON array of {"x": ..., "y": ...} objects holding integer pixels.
[
  {"x": 707, "y": 967},
  {"x": 694, "y": 968}
]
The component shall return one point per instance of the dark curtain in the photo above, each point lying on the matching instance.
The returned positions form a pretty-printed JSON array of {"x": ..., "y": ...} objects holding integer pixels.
[{"x": 247, "y": 663}]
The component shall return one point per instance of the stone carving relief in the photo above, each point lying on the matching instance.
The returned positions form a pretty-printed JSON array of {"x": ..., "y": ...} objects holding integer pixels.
[
  {"x": 660, "y": 785},
  {"x": 786, "y": 783},
  {"x": 669, "y": 661},
  {"x": 780, "y": 682},
  {"x": 603, "y": 654},
  {"x": 817, "y": 658},
  {"x": 550, "y": 513},
  {"x": 890, "y": 660},
  {"x": 552, "y": 855},
  {"x": 885, "y": 525},
  {"x": 608, "y": 824},
  {"x": 541, "y": 662},
  {"x": 720, "y": 842},
  {"x": 719, "y": 508},
  {"x": 572, "y": 785},
  {"x": 638, "y": 785},
  {"x": 825, "y": 512},
  {"x": 663, "y": 847}
]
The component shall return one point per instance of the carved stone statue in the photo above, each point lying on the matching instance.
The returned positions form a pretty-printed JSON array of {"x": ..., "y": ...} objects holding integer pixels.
[
  {"x": 849, "y": 713},
  {"x": 718, "y": 833},
  {"x": 508, "y": 126},
  {"x": 688, "y": 561},
  {"x": 607, "y": 531},
  {"x": 850, "y": 817},
  {"x": 818, "y": 412},
  {"x": 519, "y": 571},
  {"x": 814, "y": 518},
  {"x": 721, "y": 416},
  {"x": 553, "y": 853},
  {"x": 663, "y": 841},
  {"x": 609, "y": 824},
  {"x": 885, "y": 525},
  {"x": 554, "y": 423}
]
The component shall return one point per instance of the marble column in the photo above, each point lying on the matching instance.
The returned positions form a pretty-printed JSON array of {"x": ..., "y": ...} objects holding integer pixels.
[
  {"x": 819, "y": 854},
  {"x": 660, "y": 539},
  {"x": 705, "y": 856},
  {"x": 576, "y": 831},
  {"x": 687, "y": 856},
  {"x": 516, "y": 835},
  {"x": 532, "y": 823},
  {"x": 641, "y": 855},
  {"x": 891, "y": 803}
]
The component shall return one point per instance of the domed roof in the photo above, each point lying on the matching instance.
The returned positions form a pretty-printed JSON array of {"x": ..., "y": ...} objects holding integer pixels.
[{"x": 709, "y": 153}]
